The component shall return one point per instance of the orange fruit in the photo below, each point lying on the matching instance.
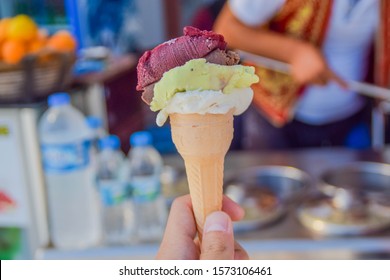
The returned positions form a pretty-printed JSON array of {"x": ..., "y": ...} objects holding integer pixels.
[
  {"x": 62, "y": 41},
  {"x": 42, "y": 34},
  {"x": 22, "y": 28},
  {"x": 4, "y": 24},
  {"x": 39, "y": 42},
  {"x": 12, "y": 51},
  {"x": 35, "y": 45}
]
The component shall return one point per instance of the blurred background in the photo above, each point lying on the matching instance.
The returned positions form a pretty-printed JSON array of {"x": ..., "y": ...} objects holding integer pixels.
[{"x": 78, "y": 146}]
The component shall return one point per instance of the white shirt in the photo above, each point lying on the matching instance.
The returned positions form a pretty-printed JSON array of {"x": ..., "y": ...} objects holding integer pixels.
[{"x": 350, "y": 33}]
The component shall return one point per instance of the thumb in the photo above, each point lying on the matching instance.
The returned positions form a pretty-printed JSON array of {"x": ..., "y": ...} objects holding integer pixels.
[{"x": 218, "y": 239}]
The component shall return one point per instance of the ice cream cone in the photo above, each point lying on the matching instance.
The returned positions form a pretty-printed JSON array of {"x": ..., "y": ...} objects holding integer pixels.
[{"x": 203, "y": 141}]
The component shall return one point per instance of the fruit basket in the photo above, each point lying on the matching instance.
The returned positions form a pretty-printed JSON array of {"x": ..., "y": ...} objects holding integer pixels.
[
  {"x": 35, "y": 76},
  {"x": 33, "y": 63}
]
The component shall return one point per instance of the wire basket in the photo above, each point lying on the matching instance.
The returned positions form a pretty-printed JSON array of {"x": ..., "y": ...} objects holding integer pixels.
[{"x": 35, "y": 77}]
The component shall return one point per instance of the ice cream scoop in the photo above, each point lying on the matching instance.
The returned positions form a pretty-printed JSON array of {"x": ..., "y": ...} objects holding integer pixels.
[
  {"x": 197, "y": 74},
  {"x": 193, "y": 44},
  {"x": 176, "y": 52}
]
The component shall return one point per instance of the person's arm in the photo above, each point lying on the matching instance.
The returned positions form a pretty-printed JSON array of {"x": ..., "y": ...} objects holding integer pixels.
[
  {"x": 256, "y": 40},
  {"x": 307, "y": 63}
]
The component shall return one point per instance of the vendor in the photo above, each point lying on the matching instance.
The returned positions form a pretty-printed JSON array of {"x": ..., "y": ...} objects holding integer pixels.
[{"x": 326, "y": 43}]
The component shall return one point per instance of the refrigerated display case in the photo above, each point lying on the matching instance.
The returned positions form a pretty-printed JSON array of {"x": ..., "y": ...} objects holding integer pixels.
[{"x": 23, "y": 204}]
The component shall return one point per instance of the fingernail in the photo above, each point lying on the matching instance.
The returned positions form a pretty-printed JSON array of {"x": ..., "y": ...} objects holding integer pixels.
[{"x": 217, "y": 221}]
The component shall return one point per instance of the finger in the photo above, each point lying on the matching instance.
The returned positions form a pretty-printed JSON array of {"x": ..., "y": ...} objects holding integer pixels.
[
  {"x": 321, "y": 81},
  {"x": 235, "y": 211},
  {"x": 218, "y": 240},
  {"x": 323, "y": 78},
  {"x": 179, "y": 232},
  {"x": 333, "y": 76},
  {"x": 239, "y": 252}
]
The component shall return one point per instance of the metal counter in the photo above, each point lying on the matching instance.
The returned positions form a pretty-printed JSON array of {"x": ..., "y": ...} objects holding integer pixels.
[{"x": 285, "y": 238}]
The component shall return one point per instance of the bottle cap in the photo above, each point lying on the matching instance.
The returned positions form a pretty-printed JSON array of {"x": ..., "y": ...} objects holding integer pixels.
[
  {"x": 94, "y": 122},
  {"x": 110, "y": 141},
  {"x": 141, "y": 138},
  {"x": 58, "y": 99}
]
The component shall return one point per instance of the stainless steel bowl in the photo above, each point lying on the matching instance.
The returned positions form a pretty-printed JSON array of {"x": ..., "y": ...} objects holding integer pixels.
[
  {"x": 265, "y": 192},
  {"x": 364, "y": 183},
  {"x": 357, "y": 203},
  {"x": 363, "y": 177},
  {"x": 289, "y": 183}
]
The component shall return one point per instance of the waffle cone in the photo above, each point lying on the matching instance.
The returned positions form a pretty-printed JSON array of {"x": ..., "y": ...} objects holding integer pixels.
[{"x": 203, "y": 141}]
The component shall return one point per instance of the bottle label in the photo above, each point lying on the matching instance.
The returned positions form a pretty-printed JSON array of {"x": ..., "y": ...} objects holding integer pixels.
[
  {"x": 112, "y": 192},
  {"x": 59, "y": 158},
  {"x": 145, "y": 188}
]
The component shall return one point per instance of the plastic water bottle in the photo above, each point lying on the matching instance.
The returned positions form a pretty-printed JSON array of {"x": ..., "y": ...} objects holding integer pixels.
[
  {"x": 97, "y": 131},
  {"x": 112, "y": 185},
  {"x": 74, "y": 212},
  {"x": 95, "y": 125},
  {"x": 145, "y": 165}
]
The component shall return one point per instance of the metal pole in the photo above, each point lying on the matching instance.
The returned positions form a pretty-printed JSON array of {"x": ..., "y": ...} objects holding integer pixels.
[{"x": 379, "y": 93}]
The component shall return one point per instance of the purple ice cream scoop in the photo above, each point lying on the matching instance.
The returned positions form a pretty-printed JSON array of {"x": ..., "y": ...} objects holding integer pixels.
[
  {"x": 176, "y": 52},
  {"x": 193, "y": 44}
]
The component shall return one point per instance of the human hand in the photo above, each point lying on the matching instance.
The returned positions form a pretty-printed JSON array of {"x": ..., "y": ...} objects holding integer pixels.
[
  {"x": 218, "y": 241},
  {"x": 308, "y": 66}
]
